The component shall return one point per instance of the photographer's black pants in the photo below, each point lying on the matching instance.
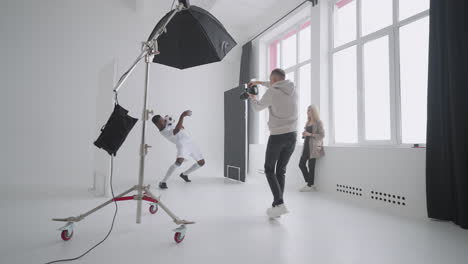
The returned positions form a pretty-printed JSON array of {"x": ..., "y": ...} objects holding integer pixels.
[{"x": 279, "y": 151}]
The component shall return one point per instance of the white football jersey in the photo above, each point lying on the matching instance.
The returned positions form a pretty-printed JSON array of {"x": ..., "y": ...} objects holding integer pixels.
[{"x": 168, "y": 132}]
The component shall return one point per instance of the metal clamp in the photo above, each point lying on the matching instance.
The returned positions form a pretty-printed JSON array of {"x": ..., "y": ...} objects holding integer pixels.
[
  {"x": 146, "y": 147},
  {"x": 148, "y": 114}
]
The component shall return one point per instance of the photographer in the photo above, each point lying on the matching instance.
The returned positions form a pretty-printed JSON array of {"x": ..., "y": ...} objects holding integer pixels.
[{"x": 281, "y": 100}]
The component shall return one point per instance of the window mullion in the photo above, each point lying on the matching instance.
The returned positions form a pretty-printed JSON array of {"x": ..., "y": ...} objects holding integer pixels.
[
  {"x": 397, "y": 85},
  {"x": 298, "y": 38},
  {"x": 394, "y": 117},
  {"x": 331, "y": 43},
  {"x": 360, "y": 94},
  {"x": 360, "y": 76}
]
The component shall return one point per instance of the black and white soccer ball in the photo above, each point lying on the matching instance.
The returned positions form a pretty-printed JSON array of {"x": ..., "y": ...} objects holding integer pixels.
[{"x": 169, "y": 120}]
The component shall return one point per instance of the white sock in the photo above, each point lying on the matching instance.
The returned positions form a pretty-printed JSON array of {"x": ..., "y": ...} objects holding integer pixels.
[
  {"x": 192, "y": 169},
  {"x": 169, "y": 172}
]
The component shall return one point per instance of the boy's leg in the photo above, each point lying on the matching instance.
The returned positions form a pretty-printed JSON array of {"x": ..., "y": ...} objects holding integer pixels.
[
  {"x": 170, "y": 171},
  {"x": 196, "y": 155}
]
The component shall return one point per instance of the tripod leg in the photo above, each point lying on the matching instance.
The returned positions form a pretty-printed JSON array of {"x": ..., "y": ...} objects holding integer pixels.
[
  {"x": 82, "y": 216},
  {"x": 176, "y": 219}
]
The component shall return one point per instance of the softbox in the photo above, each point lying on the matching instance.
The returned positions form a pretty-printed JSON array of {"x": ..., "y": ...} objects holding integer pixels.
[
  {"x": 115, "y": 131},
  {"x": 194, "y": 37}
]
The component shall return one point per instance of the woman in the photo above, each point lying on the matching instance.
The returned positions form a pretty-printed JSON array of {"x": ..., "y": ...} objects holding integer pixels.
[{"x": 313, "y": 147}]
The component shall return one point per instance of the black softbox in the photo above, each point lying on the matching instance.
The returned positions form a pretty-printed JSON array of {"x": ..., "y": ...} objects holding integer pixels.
[
  {"x": 116, "y": 130},
  {"x": 194, "y": 37}
]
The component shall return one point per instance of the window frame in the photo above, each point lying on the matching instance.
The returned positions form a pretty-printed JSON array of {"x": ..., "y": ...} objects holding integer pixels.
[
  {"x": 297, "y": 27},
  {"x": 392, "y": 31}
]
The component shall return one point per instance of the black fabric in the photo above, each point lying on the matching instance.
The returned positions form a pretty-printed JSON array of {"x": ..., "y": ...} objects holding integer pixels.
[
  {"x": 447, "y": 124},
  {"x": 194, "y": 37},
  {"x": 116, "y": 130},
  {"x": 278, "y": 152}
]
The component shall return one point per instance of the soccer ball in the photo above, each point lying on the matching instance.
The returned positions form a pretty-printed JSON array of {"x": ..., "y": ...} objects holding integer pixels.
[{"x": 169, "y": 120}]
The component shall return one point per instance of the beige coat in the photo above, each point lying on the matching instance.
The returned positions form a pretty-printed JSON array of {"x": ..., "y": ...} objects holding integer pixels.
[{"x": 316, "y": 141}]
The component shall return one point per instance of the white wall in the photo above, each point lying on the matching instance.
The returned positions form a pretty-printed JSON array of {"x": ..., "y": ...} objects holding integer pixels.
[
  {"x": 53, "y": 55},
  {"x": 395, "y": 171}
]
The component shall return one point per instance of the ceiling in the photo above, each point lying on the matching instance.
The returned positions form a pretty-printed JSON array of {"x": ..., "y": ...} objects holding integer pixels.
[
  {"x": 246, "y": 18},
  {"x": 242, "y": 18}
]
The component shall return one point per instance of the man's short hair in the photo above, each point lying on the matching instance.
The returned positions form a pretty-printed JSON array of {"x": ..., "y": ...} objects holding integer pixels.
[
  {"x": 156, "y": 118},
  {"x": 280, "y": 73}
]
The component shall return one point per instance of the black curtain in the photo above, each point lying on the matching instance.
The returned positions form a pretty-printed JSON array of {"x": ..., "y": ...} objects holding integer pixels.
[{"x": 447, "y": 124}]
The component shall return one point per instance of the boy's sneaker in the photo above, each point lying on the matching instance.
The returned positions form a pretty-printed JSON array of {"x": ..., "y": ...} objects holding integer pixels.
[
  {"x": 308, "y": 188},
  {"x": 162, "y": 185},
  {"x": 277, "y": 211},
  {"x": 185, "y": 177}
]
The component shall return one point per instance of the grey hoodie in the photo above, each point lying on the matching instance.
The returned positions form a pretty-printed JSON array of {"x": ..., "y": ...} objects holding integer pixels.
[{"x": 281, "y": 100}]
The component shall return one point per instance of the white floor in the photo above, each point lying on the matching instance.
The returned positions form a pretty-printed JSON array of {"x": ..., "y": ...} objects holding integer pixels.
[{"x": 231, "y": 228}]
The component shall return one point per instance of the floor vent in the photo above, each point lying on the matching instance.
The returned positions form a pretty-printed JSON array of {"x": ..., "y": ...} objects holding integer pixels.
[
  {"x": 389, "y": 198},
  {"x": 347, "y": 189}
]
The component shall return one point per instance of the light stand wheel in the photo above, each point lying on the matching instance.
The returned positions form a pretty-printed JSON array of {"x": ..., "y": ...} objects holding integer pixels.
[
  {"x": 65, "y": 235},
  {"x": 153, "y": 209},
  {"x": 179, "y": 237}
]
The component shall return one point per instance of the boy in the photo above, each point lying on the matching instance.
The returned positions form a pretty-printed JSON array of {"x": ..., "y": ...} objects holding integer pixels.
[{"x": 185, "y": 147}]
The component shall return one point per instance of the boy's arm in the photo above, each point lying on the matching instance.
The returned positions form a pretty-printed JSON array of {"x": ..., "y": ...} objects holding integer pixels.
[{"x": 180, "y": 123}]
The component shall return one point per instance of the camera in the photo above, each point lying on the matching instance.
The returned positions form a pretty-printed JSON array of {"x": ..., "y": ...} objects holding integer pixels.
[{"x": 249, "y": 90}]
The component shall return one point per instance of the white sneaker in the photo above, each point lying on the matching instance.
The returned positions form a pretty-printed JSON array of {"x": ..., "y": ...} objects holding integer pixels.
[
  {"x": 308, "y": 188},
  {"x": 277, "y": 211},
  {"x": 269, "y": 212}
]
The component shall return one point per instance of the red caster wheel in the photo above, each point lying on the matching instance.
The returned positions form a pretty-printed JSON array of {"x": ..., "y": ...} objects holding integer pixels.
[
  {"x": 66, "y": 235},
  {"x": 178, "y": 237},
  {"x": 153, "y": 208}
]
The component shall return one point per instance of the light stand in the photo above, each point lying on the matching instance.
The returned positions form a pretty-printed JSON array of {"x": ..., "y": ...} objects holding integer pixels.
[{"x": 149, "y": 50}]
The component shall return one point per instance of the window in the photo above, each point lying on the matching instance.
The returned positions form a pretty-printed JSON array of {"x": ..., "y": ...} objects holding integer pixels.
[
  {"x": 305, "y": 93},
  {"x": 304, "y": 42},
  {"x": 376, "y": 89},
  {"x": 291, "y": 52},
  {"x": 345, "y": 95},
  {"x": 345, "y": 22},
  {"x": 414, "y": 49},
  {"x": 275, "y": 55},
  {"x": 376, "y": 15},
  {"x": 411, "y": 8},
  {"x": 379, "y": 57}
]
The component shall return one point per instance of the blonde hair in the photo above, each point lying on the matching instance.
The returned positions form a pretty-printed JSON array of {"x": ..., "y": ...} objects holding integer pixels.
[{"x": 315, "y": 113}]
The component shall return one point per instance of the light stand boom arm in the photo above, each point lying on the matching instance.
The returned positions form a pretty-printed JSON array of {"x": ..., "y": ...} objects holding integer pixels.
[{"x": 149, "y": 49}]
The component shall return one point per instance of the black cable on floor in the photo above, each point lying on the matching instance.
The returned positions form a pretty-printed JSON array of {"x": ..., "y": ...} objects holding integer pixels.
[{"x": 110, "y": 230}]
